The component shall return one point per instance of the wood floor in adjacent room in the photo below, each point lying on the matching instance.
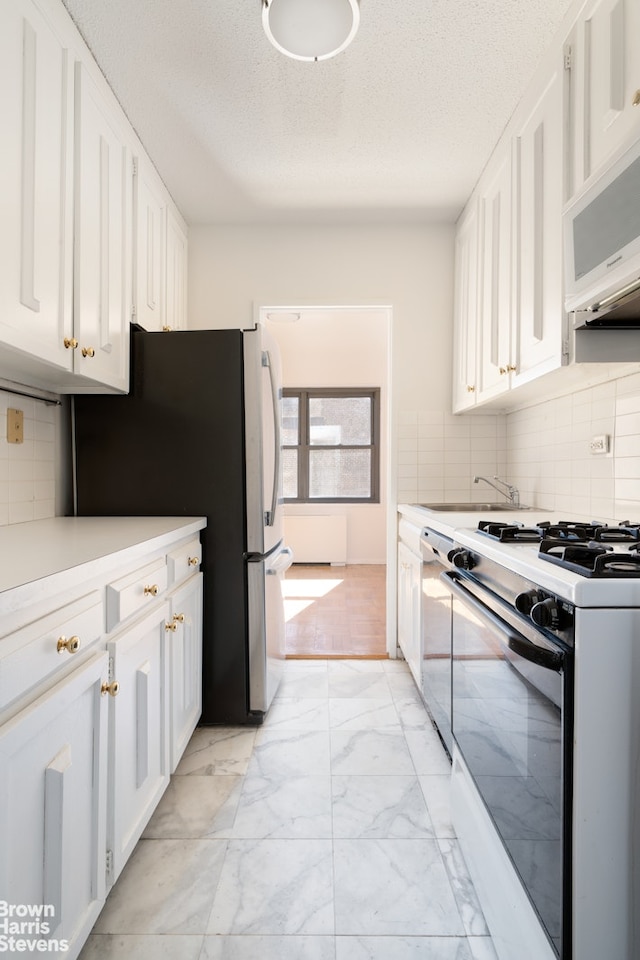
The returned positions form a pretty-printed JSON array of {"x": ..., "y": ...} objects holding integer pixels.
[{"x": 334, "y": 611}]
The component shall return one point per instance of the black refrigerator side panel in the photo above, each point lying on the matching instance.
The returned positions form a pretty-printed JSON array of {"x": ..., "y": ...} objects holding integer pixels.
[{"x": 175, "y": 446}]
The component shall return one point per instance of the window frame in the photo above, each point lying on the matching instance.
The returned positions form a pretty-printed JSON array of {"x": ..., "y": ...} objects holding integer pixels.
[{"x": 304, "y": 395}]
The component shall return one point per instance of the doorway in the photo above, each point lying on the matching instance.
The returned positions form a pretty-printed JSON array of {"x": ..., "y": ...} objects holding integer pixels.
[
  {"x": 333, "y": 611},
  {"x": 335, "y": 596}
]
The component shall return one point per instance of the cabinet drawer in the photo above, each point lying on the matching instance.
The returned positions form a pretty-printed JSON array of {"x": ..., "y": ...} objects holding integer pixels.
[
  {"x": 409, "y": 534},
  {"x": 135, "y": 592},
  {"x": 45, "y": 646},
  {"x": 184, "y": 560}
]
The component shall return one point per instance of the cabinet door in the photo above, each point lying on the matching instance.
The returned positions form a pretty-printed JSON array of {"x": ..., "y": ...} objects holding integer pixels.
[
  {"x": 36, "y": 239},
  {"x": 138, "y": 733},
  {"x": 410, "y": 610},
  {"x": 495, "y": 272},
  {"x": 465, "y": 309},
  {"x": 53, "y": 792},
  {"x": 539, "y": 311},
  {"x": 185, "y": 665},
  {"x": 176, "y": 285},
  {"x": 103, "y": 237},
  {"x": 611, "y": 51},
  {"x": 150, "y": 216}
]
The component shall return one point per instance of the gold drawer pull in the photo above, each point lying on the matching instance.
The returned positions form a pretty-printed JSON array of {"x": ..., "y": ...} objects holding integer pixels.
[
  {"x": 193, "y": 561},
  {"x": 113, "y": 688},
  {"x": 151, "y": 591},
  {"x": 173, "y": 626},
  {"x": 88, "y": 352},
  {"x": 70, "y": 644},
  {"x": 636, "y": 100},
  {"x": 70, "y": 343},
  {"x": 178, "y": 617}
]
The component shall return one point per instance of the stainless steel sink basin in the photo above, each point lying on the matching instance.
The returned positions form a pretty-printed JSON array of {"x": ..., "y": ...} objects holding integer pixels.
[{"x": 470, "y": 507}]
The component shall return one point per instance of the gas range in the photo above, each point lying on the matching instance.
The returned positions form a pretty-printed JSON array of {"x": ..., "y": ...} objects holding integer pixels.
[
  {"x": 545, "y": 724},
  {"x": 589, "y": 564}
]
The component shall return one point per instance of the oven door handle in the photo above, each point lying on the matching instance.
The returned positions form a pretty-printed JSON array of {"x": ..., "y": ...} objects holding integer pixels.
[{"x": 549, "y": 659}]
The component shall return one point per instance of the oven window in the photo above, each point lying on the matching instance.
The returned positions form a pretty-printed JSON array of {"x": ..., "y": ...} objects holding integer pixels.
[{"x": 507, "y": 722}]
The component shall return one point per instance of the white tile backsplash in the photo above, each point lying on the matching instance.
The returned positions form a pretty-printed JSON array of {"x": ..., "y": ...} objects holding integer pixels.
[
  {"x": 28, "y": 470},
  {"x": 543, "y": 450},
  {"x": 450, "y": 450},
  {"x": 553, "y": 465}
]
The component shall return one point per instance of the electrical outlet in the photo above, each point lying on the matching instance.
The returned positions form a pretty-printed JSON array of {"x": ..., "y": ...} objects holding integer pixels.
[
  {"x": 15, "y": 426},
  {"x": 599, "y": 444}
]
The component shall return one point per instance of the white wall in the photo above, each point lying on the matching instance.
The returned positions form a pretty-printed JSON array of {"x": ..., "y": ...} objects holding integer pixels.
[
  {"x": 342, "y": 348},
  {"x": 234, "y": 269}
]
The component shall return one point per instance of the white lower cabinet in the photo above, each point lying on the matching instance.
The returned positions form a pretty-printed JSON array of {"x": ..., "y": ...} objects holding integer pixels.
[
  {"x": 410, "y": 609},
  {"x": 185, "y": 665},
  {"x": 53, "y": 792},
  {"x": 138, "y": 731},
  {"x": 100, "y": 691}
]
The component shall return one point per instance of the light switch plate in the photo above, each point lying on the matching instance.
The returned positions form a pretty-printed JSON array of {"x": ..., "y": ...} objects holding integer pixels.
[{"x": 15, "y": 426}]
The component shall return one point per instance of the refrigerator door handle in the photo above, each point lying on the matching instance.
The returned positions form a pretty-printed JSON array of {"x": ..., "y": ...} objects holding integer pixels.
[
  {"x": 281, "y": 563},
  {"x": 269, "y": 517}
]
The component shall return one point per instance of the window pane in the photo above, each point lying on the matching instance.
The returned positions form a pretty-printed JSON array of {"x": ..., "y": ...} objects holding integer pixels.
[
  {"x": 290, "y": 421},
  {"x": 289, "y": 473},
  {"x": 340, "y": 420},
  {"x": 339, "y": 473}
]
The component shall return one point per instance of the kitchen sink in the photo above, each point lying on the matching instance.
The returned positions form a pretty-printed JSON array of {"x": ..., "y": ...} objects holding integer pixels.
[{"x": 470, "y": 507}]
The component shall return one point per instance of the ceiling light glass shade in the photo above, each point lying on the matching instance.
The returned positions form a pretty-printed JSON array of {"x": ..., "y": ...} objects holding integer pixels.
[{"x": 310, "y": 29}]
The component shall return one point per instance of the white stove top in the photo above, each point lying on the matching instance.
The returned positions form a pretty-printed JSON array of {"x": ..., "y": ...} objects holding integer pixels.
[{"x": 580, "y": 590}]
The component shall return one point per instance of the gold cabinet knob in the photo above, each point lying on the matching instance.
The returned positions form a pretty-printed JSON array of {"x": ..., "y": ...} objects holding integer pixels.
[
  {"x": 166, "y": 329},
  {"x": 88, "y": 352},
  {"x": 178, "y": 618},
  {"x": 151, "y": 591},
  {"x": 636, "y": 99},
  {"x": 70, "y": 644},
  {"x": 173, "y": 626},
  {"x": 511, "y": 368},
  {"x": 70, "y": 343},
  {"x": 193, "y": 561},
  {"x": 470, "y": 388},
  {"x": 113, "y": 688}
]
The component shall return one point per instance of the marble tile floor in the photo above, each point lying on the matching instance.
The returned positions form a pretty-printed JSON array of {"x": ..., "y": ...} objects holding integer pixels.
[{"x": 323, "y": 835}]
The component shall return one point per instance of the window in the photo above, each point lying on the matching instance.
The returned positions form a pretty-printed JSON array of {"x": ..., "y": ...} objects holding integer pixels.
[{"x": 330, "y": 442}]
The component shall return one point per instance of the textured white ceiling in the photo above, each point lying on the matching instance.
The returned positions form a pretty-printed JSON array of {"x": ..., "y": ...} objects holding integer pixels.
[{"x": 397, "y": 127}]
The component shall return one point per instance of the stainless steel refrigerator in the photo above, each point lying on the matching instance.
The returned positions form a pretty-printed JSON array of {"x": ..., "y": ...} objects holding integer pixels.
[{"x": 199, "y": 435}]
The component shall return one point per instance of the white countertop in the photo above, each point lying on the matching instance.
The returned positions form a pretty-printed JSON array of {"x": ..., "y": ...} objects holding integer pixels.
[{"x": 39, "y": 549}]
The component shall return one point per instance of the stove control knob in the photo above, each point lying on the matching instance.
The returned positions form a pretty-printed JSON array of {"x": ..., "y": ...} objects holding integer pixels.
[
  {"x": 463, "y": 559},
  {"x": 546, "y": 613},
  {"x": 526, "y": 601}
]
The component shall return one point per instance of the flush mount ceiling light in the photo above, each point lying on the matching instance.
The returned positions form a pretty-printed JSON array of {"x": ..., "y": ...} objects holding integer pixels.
[{"x": 310, "y": 29}]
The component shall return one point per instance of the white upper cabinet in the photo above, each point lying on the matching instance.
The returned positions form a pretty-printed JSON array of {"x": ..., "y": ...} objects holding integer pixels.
[
  {"x": 176, "y": 280},
  {"x": 607, "y": 60},
  {"x": 84, "y": 245},
  {"x": 36, "y": 164},
  {"x": 495, "y": 351},
  {"x": 102, "y": 274},
  {"x": 465, "y": 309},
  {"x": 150, "y": 224},
  {"x": 538, "y": 164}
]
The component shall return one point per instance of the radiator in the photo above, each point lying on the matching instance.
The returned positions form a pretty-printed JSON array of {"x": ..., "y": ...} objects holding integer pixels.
[{"x": 317, "y": 539}]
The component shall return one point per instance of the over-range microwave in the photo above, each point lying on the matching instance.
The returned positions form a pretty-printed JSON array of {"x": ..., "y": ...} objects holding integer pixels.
[{"x": 602, "y": 246}]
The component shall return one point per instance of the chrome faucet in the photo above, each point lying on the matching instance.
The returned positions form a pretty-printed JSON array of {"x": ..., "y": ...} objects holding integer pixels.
[{"x": 511, "y": 493}]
